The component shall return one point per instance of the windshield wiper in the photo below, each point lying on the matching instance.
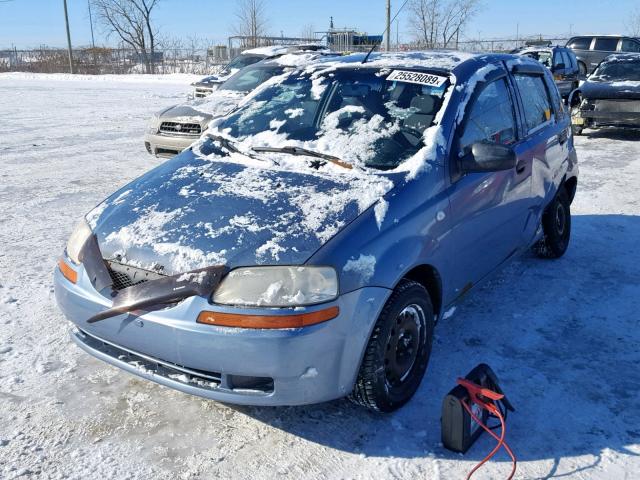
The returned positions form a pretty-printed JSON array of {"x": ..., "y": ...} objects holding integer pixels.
[
  {"x": 228, "y": 144},
  {"x": 303, "y": 152}
]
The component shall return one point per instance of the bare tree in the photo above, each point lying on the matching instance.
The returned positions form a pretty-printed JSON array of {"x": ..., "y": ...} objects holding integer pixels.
[
  {"x": 455, "y": 17},
  {"x": 439, "y": 22},
  {"x": 131, "y": 21},
  {"x": 633, "y": 23},
  {"x": 251, "y": 21}
]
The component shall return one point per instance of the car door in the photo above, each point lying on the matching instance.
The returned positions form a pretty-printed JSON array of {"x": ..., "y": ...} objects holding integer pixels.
[
  {"x": 489, "y": 210},
  {"x": 546, "y": 137}
]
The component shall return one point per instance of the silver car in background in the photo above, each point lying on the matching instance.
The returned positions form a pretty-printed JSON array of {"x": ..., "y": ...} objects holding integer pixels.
[
  {"x": 208, "y": 84},
  {"x": 176, "y": 128}
]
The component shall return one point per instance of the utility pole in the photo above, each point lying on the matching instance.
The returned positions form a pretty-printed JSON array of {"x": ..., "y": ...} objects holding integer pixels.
[
  {"x": 93, "y": 41},
  {"x": 388, "y": 45},
  {"x": 66, "y": 20}
]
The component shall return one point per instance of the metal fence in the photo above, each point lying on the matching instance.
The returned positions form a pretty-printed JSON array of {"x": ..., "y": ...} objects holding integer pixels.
[
  {"x": 105, "y": 60},
  {"x": 108, "y": 61}
]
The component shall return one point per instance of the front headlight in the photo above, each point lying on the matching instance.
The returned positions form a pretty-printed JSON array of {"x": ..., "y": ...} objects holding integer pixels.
[
  {"x": 79, "y": 236},
  {"x": 154, "y": 123},
  {"x": 277, "y": 286}
]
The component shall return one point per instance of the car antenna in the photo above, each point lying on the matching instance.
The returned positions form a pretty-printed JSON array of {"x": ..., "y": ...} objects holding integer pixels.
[{"x": 386, "y": 32}]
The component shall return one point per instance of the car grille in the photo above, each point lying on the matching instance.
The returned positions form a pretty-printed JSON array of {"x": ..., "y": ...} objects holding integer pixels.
[
  {"x": 179, "y": 128},
  {"x": 203, "y": 92},
  {"x": 124, "y": 276},
  {"x": 178, "y": 373},
  {"x": 148, "y": 364},
  {"x": 627, "y": 106}
]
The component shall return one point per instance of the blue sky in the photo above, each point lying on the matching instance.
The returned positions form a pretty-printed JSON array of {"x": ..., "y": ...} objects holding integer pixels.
[{"x": 30, "y": 23}]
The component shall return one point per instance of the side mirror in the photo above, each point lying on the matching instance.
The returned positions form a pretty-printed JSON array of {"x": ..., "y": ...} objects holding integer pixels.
[
  {"x": 488, "y": 157},
  {"x": 559, "y": 66}
]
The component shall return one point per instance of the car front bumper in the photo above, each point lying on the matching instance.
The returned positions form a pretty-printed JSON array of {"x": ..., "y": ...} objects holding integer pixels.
[
  {"x": 243, "y": 366},
  {"x": 167, "y": 146}
]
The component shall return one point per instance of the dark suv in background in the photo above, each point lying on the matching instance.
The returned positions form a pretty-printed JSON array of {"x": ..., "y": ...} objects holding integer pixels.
[
  {"x": 560, "y": 60},
  {"x": 592, "y": 49}
]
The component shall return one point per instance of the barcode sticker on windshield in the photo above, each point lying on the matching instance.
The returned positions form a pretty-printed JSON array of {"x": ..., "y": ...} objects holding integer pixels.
[{"x": 416, "y": 77}]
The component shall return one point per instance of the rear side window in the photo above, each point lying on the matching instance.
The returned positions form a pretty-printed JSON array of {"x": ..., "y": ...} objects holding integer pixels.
[
  {"x": 580, "y": 43},
  {"x": 606, "y": 44},
  {"x": 572, "y": 58},
  {"x": 630, "y": 45},
  {"x": 491, "y": 118},
  {"x": 535, "y": 99}
]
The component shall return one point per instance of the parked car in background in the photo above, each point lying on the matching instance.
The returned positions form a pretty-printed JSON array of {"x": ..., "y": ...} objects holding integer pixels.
[
  {"x": 208, "y": 84},
  {"x": 610, "y": 97},
  {"x": 562, "y": 63},
  {"x": 176, "y": 128},
  {"x": 305, "y": 248},
  {"x": 590, "y": 50}
]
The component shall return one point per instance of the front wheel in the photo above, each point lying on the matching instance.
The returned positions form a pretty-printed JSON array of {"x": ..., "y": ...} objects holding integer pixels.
[
  {"x": 556, "y": 226},
  {"x": 398, "y": 351}
]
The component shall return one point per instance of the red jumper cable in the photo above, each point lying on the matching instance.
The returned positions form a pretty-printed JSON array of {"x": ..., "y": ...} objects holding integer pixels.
[{"x": 485, "y": 399}]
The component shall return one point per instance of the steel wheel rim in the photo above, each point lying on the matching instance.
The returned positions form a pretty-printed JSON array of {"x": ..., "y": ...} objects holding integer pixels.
[{"x": 403, "y": 345}]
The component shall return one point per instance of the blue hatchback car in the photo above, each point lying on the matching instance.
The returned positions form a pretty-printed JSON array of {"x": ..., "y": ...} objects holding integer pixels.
[{"x": 306, "y": 247}]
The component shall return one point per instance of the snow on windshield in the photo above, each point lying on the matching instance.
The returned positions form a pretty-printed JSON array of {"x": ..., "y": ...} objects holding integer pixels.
[{"x": 356, "y": 115}]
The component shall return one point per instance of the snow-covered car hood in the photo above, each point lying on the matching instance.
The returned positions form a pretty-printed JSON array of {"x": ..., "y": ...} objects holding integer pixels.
[
  {"x": 192, "y": 212},
  {"x": 602, "y": 90},
  {"x": 202, "y": 110}
]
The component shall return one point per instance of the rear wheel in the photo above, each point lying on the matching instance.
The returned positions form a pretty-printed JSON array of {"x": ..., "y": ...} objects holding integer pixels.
[
  {"x": 398, "y": 351},
  {"x": 556, "y": 225}
]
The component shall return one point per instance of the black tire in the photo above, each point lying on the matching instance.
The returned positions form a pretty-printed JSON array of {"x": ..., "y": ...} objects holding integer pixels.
[
  {"x": 556, "y": 225},
  {"x": 398, "y": 351}
]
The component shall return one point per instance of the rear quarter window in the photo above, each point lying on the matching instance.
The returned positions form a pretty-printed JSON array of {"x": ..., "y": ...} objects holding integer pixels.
[
  {"x": 580, "y": 43},
  {"x": 535, "y": 99},
  {"x": 606, "y": 44},
  {"x": 629, "y": 45}
]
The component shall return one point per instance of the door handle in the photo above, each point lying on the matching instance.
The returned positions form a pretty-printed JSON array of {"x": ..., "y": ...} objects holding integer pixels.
[{"x": 520, "y": 167}]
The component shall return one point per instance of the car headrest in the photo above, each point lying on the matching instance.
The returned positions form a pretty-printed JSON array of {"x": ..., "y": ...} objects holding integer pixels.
[{"x": 424, "y": 104}]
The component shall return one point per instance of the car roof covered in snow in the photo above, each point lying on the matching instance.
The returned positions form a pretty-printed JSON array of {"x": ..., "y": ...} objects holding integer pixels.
[
  {"x": 461, "y": 64},
  {"x": 622, "y": 57},
  {"x": 275, "y": 50}
]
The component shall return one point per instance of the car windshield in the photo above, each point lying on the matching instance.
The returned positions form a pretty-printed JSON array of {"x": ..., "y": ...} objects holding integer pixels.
[
  {"x": 618, "y": 70},
  {"x": 543, "y": 56},
  {"x": 249, "y": 78},
  {"x": 241, "y": 61},
  {"x": 356, "y": 114}
]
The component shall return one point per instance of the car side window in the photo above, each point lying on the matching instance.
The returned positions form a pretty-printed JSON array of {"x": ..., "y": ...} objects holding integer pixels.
[
  {"x": 491, "y": 118},
  {"x": 535, "y": 99},
  {"x": 606, "y": 44},
  {"x": 557, "y": 58},
  {"x": 580, "y": 43},
  {"x": 572, "y": 59},
  {"x": 629, "y": 45}
]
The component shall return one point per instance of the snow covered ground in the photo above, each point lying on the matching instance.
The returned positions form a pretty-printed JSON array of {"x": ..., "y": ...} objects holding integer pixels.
[{"x": 563, "y": 335}]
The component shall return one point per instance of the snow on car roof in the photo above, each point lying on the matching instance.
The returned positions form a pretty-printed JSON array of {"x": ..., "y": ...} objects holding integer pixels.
[
  {"x": 274, "y": 50},
  {"x": 445, "y": 60}
]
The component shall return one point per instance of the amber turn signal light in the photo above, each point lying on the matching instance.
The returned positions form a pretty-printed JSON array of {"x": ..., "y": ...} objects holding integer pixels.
[
  {"x": 268, "y": 321},
  {"x": 68, "y": 272}
]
